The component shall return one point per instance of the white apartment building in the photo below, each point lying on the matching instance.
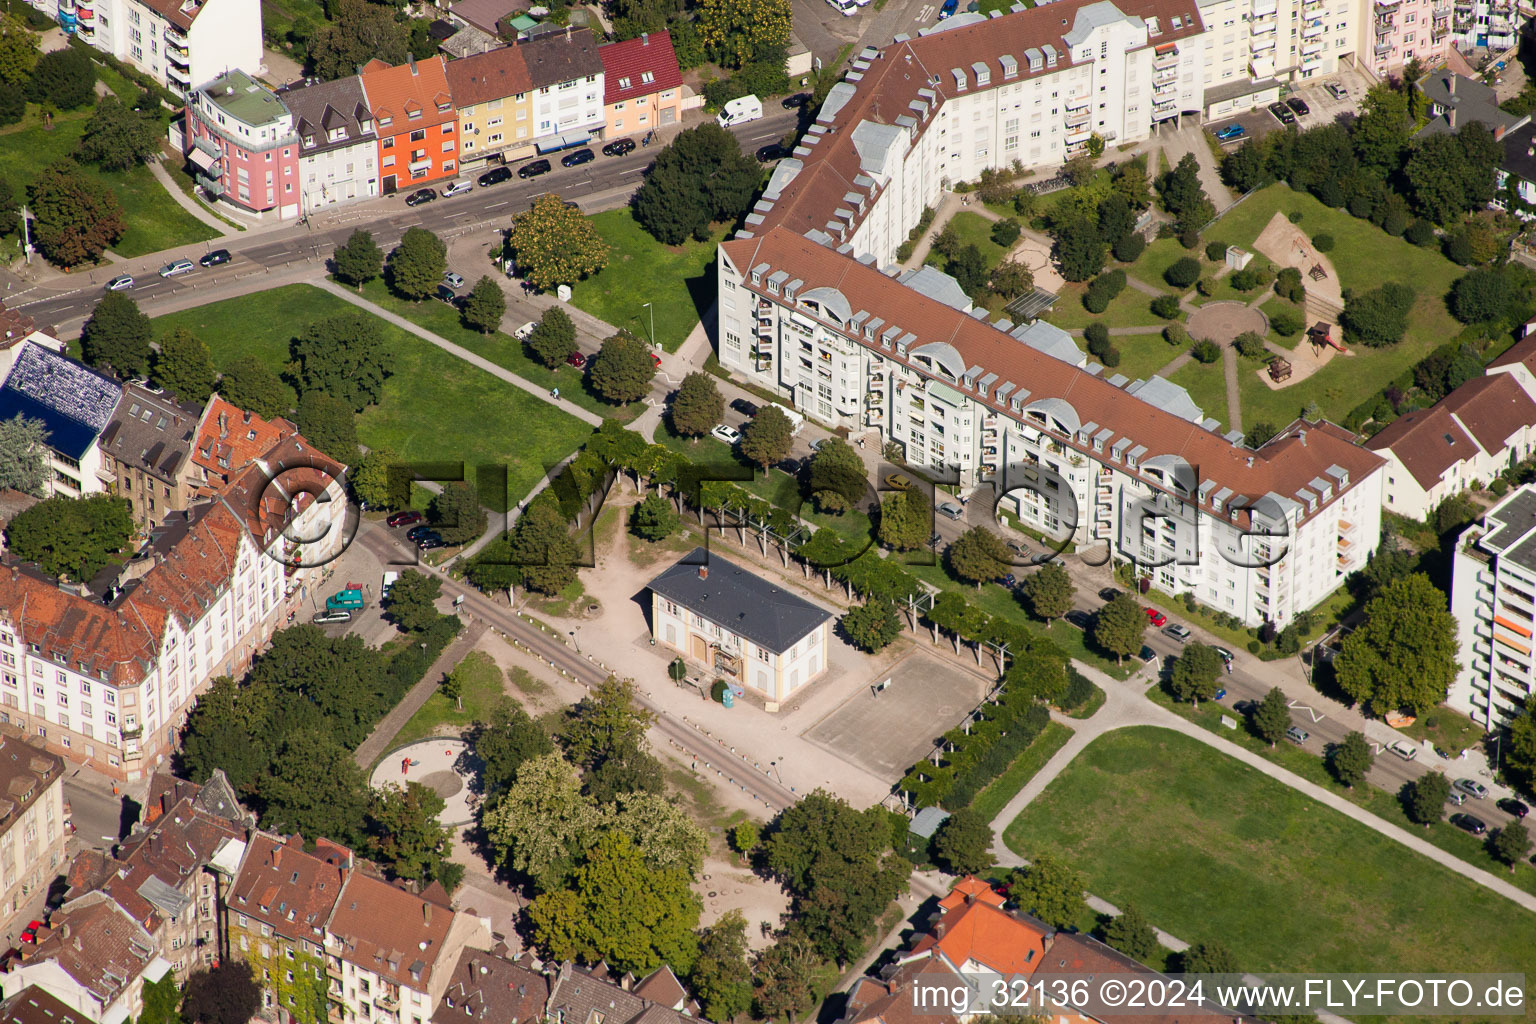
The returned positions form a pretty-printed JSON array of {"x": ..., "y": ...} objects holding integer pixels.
[
  {"x": 179, "y": 43},
  {"x": 338, "y": 147},
  {"x": 1493, "y": 598},
  {"x": 566, "y": 89},
  {"x": 739, "y": 625},
  {"x": 1252, "y": 46}
]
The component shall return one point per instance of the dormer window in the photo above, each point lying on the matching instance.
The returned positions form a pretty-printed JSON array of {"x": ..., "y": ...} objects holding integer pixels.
[
  {"x": 413, "y": 115},
  {"x": 309, "y": 140},
  {"x": 624, "y": 83},
  {"x": 646, "y": 78}
]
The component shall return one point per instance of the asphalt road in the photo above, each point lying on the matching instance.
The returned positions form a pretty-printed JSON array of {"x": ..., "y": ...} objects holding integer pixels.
[{"x": 607, "y": 182}]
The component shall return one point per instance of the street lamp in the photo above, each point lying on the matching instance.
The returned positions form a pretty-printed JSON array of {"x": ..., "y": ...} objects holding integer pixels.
[
  {"x": 577, "y": 638},
  {"x": 647, "y": 305}
]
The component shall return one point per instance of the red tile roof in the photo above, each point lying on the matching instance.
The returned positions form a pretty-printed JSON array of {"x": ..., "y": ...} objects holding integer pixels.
[
  {"x": 1300, "y": 453},
  {"x": 391, "y": 932},
  {"x": 396, "y": 92},
  {"x": 98, "y": 944},
  {"x": 228, "y": 438},
  {"x": 981, "y": 930},
  {"x": 626, "y": 64},
  {"x": 1484, "y": 411},
  {"x": 283, "y": 886},
  {"x": 493, "y": 75}
]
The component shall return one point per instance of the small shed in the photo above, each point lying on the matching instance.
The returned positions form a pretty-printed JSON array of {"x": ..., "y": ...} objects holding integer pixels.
[
  {"x": 924, "y": 824},
  {"x": 1237, "y": 258},
  {"x": 1279, "y": 369}
]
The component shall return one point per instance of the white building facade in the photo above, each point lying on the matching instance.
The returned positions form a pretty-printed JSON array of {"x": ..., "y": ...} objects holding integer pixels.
[
  {"x": 179, "y": 43},
  {"x": 1493, "y": 599}
]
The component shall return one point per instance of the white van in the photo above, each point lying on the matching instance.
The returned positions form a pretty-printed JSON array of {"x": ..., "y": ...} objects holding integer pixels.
[
  {"x": 387, "y": 582},
  {"x": 796, "y": 420},
  {"x": 740, "y": 111},
  {"x": 1404, "y": 750},
  {"x": 847, "y": 8}
]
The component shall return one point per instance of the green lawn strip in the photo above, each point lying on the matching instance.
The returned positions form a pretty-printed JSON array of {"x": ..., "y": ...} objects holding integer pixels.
[
  {"x": 435, "y": 406},
  {"x": 1092, "y": 705},
  {"x": 1224, "y": 292},
  {"x": 1446, "y": 729},
  {"x": 974, "y": 229},
  {"x": 1158, "y": 257},
  {"x": 1379, "y": 802},
  {"x": 1131, "y": 308},
  {"x": 1141, "y": 355},
  {"x": 500, "y": 348},
  {"x": 184, "y": 181},
  {"x": 1208, "y": 388},
  {"x": 678, "y": 280},
  {"x": 484, "y": 686},
  {"x": 1212, "y": 850},
  {"x": 1274, "y": 304},
  {"x": 990, "y": 801}
]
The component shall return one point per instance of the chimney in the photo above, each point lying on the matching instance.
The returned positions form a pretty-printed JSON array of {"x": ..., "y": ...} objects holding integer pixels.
[
  {"x": 1301, "y": 435},
  {"x": 277, "y": 855},
  {"x": 410, "y": 59},
  {"x": 567, "y": 33},
  {"x": 1498, "y": 132},
  {"x": 1450, "y": 84},
  {"x": 703, "y": 572},
  {"x": 426, "y": 912},
  {"x": 65, "y": 930},
  {"x": 223, "y": 425},
  {"x": 1450, "y": 117}
]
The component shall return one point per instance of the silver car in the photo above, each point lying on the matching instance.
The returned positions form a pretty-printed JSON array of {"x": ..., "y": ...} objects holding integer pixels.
[
  {"x": 120, "y": 283},
  {"x": 949, "y": 510},
  {"x": 331, "y": 615},
  {"x": 1475, "y": 790},
  {"x": 177, "y": 268},
  {"x": 453, "y": 280}
]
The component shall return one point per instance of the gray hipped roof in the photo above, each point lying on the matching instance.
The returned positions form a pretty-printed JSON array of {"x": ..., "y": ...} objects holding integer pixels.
[{"x": 747, "y": 605}]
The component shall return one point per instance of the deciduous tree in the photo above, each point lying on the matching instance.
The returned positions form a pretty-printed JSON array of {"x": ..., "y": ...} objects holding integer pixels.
[
  {"x": 506, "y": 740},
  {"x": 542, "y": 821},
  {"x": 623, "y": 369},
  {"x": 1510, "y": 844},
  {"x": 738, "y": 32},
  {"x": 722, "y": 977},
  {"x": 411, "y": 604},
  {"x": 226, "y": 994},
  {"x": 837, "y": 476},
  {"x": 485, "y": 306},
  {"x": 541, "y": 547},
  {"x": 906, "y": 520},
  {"x": 1012, "y": 278},
  {"x": 554, "y": 244},
  {"x": 701, "y": 176},
  {"x": 1272, "y": 717},
  {"x": 18, "y": 54},
  {"x": 406, "y": 838},
  {"x": 784, "y": 974},
  {"x": 1194, "y": 673},
  {"x": 1050, "y": 889},
  {"x": 1404, "y": 654},
  {"x": 1426, "y": 798},
  {"x": 344, "y": 356},
  {"x": 65, "y": 78},
  {"x": 963, "y": 844},
  {"x": 329, "y": 424},
  {"x": 24, "y": 455},
  {"x": 1119, "y": 626},
  {"x": 872, "y": 626},
  {"x": 553, "y": 338},
  {"x": 1209, "y": 958},
  {"x": 118, "y": 137},
  {"x": 979, "y": 556},
  {"x": 359, "y": 260},
  {"x": 370, "y": 480},
  {"x": 358, "y": 32},
  {"x": 1452, "y": 173},
  {"x": 766, "y": 439},
  {"x": 116, "y": 337},
  {"x": 1132, "y": 934},
  {"x": 75, "y": 218},
  {"x": 1049, "y": 591},
  {"x": 73, "y": 537},
  {"x": 1378, "y": 317},
  {"x": 697, "y": 406},
  {"x": 653, "y": 518},
  {"x": 184, "y": 366},
  {"x": 250, "y": 384},
  {"x": 417, "y": 264},
  {"x": 456, "y": 512},
  {"x": 314, "y": 787},
  {"x": 1351, "y": 759}
]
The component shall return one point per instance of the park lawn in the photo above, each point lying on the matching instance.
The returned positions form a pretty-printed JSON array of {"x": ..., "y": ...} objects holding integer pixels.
[
  {"x": 1141, "y": 355},
  {"x": 990, "y": 801},
  {"x": 154, "y": 219},
  {"x": 1131, "y": 308},
  {"x": 1212, "y": 850},
  {"x": 435, "y": 406},
  {"x": 1224, "y": 292},
  {"x": 973, "y": 229},
  {"x": 1207, "y": 386},
  {"x": 1158, "y": 257},
  {"x": 1275, "y": 304},
  {"x": 484, "y": 686},
  {"x": 499, "y": 347},
  {"x": 679, "y": 281}
]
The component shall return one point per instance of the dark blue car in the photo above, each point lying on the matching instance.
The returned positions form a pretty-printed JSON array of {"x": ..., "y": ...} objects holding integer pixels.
[{"x": 949, "y": 8}]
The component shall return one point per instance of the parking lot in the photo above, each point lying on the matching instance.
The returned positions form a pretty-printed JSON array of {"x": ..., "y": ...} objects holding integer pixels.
[{"x": 1322, "y": 107}]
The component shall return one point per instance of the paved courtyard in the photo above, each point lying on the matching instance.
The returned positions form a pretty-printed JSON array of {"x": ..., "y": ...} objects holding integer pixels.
[
  {"x": 886, "y": 733},
  {"x": 435, "y": 763},
  {"x": 1222, "y": 321}
]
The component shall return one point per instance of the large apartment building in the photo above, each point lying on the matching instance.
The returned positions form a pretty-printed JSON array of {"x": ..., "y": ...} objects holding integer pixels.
[
  {"x": 338, "y": 150},
  {"x": 73, "y": 402},
  {"x": 240, "y": 138},
  {"x": 1252, "y": 46},
  {"x": 413, "y": 115},
  {"x": 146, "y": 452},
  {"x": 1493, "y": 598},
  {"x": 566, "y": 78},
  {"x": 32, "y": 830}
]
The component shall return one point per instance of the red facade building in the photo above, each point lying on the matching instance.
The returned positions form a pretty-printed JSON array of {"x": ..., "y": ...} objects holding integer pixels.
[{"x": 415, "y": 120}]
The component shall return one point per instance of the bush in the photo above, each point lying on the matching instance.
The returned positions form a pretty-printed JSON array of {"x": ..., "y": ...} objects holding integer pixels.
[
  {"x": 1130, "y": 248},
  {"x": 1287, "y": 322},
  {"x": 1079, "y": 691},
  {"x": 1183, "y": 272},
  {"x": 1006, "y": 232},
  {"x": 1421, "y": 232},
  {"x": 1097, "y": 336},
  {"x": 1323, "y": 241},
  {"x": 1395, "y": 222},
  {"x": 1216, "y": 252},
  {"x": 1295, "y": 216},
  {"x": 1111, "y": 358},
  {"x": 1254, "y": 275},
  {"x": 1102, "y": 290},
  {"x": 1176, "y": 335},
  {"x": 991, "y": 762},
  {"x": 1254, "y": 647},
  {"x": 1166, "y": 306},
  {"x": 1189, "y": 238},
  {"x": 1250, "y": 345},
  {"x": 1206, "y": 286},
  {"x": 904, "y": 251},
  {"x": 1206, "y": 351},
  {"x": 1288, "y": 284}
]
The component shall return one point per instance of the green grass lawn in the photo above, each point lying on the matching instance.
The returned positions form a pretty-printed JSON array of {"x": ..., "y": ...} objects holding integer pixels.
[
  {"x": 1131, "y": 308},
  {"x": 1142, "y": 355},
  {"x": 435, "y": 407},
  {"x": 990, "y": 801},
  {"x": 1212, "y": 850},
  {"x": 1158, "y": 257},
  {"x": 973, "y": 229},
  {"x": 154, "y": 219},
  {"x": 1207, "y": 386},
  {"x": 484, "y": 685},
  {"x": 679, "y": 281},
  {"x": 1275, "y": 304}
]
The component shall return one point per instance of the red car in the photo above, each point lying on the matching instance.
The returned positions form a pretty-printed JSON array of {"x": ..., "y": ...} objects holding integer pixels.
[
  {"x": 1158, "y": 618},
  {"x": 576, "y": 359},
  {"x": 410, "y": 517},
  {"x": 29, "y": 934}
]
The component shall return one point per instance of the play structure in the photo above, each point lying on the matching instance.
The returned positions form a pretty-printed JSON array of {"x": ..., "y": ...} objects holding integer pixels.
[{"x": 1323, "y": 334}]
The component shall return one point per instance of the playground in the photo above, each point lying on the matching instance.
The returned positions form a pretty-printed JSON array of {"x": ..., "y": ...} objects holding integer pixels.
[{"x": 439, "y": 764}]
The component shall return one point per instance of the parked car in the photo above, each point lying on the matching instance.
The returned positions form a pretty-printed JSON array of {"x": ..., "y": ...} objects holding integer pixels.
[
  {"x": 796, "y": 101},
  {"x": 448, "y": 295},
  {"x": 214, "y": 258},
  {"x": 430, "y": 539},
  {"x": 816, "y": 446},
  {"x": 744, "y": 407},
  {"x": 771, "y": 152},
  {"x": 1469, "y": 823},
  {"x": 452, "y": 280},
  {"x": 494, "y": 176},
  {"x": 415, "y": 533},
  {"x": 1282, "y": 113},
  {"x": 950, "y": 510},
  {"x": 1246, "y": 707},
  {"x": 1158, "y": 618},
  {"x": 1079, "y": 618},
  {"x": 176, "y": 268},
  {"x": 1230, "y": 132},
  {"x": 1147, "y": 655},
  {"x": 120, "y": 283},
  {"x": 409, "y": 517},
  {"x": 1178, "y": 632},
  {"x": 1108, "y": 594},
  {"x": 1221, "y": 694},
  {"x": 522, "y": 333},
  {"x": 847, "y": 8},
  {"x": 619, "y": 147},
  {"x": 1514, "y": 808},
  {"x": 457, "y": 188},
  {"x": 1299, "y": 105},
  {"x": 330, "y": 616},
  {"x": 728, "y": 434},
  {"x": 1224, "y": 654},
  {"x": 1297, "y": 735},
  {"x": 534, "y": 169},
  {"x": 948, "y": 9},
  {"x": 1474, "y": 789},
  {"x": 1403, "y": 749},
  {"x": 897, "y": 482},
  {"x": 1457, "y": 798},
  {"x": 29, "y": 934},
  {"x": 1335, "y": 90},
  {"x": 577, "y": 360},
  {"x": 421, "y": 195},
  {"x": 576, "y": 159},
  {"x": 1010, "y": 580}
]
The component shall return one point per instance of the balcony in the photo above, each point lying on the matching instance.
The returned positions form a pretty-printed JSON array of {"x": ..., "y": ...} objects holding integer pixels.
[
  {"x": 1260, "y": 28},
  {"x": 389, "y": 1000},
  {"x": 1382, "y": 49},
  {"x": 1260, "y": 44},
  {"x": 1166, "y": 76},
  {"x": 178, "y": 74},
  {"x": 333, "y": 968},
  {"x": 1166, "y": 56},
  {"x": 335, "y": 1015},
  {"x": 1078, "y": 120},
  {"x": 213, "y": 186},
  {"x": 175, "y": 36},
  {"x": 1312, "y": 29}
]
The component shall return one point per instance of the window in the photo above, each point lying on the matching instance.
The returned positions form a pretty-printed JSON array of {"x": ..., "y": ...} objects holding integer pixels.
[{"x": 418, "y": 135}]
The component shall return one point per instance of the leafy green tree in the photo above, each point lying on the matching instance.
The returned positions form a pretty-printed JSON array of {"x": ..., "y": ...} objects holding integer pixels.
[
  {"x": 76, "y": 218},
  {"x": 746, "y": 837},
  {"x": 1079, "y": 250},
  {"x": 1049, "y": 591},
  {"x": 979, "y": 556},
  {"x": 1351, "y": 759},
  {"x": 969, "y": 268},
  {"x": 250, "y": 384},
  {"x": 357, "y": 32},
  {"x": 1382, "y": 131},
  {"x": 697, "y": 406},
  {"x": 1209, "y": 958},
  {"x": 738, "y": 33},
  {"x": 329, "y": 424},
  {"x": 785, "y": 973},
  {"x": 346, "y": 357},
  {"x": 359, "y": 260},
  {"x": 1484, "y": 294},
  {"x": 506, "y": 740},
  {"x": 116, "y": 337},
  {"x": 221, "y": 733},
  {"x": 412, "y": 600},
  {"x": 654, "y": 519},
  {"x": 1050, "y": 889},
  {"x": 225, "y": 994},
  {"x": 542, "y": 821},
  {"x": 118, "y": 137},
  {"x": 417, "y": 264},
  {"x": 872, "y": 626},
  {"x": 722, "y": 977},
  {"x": 1181, "y": 193},
  {"x": 313, "y": 786},
  {"x": 456, "y": 513},
  {"x": 701, "y": 176},
  {"x": 1378, "y": 317},
  {"x": 370, "y": 480},
  {"x": 1182, "y": 272},
  {"x": 905, "y": 520},
  {"x": 604, "y": 733},
  {"x": 24, "y": 455},
  {"x": 1132, "y": 934},
  {"x": 767, "y": 438},
  {"x": 162, "y": 999},
  {"x": 1011, "y": 278},
  {"x": 837, "y": 476},
  {"x": 184, "y": 366},
  {"x": 73, "y": 537},
  {"x": 65, "y": 78},
  {"x": 18, "y": 54},
  {"x": 963, "y": 844},
  {"x": 623, "y": 369},
  {"x": 1258, "y": 435},
  {"x": 1272, "y": 717},
  {"x": 1520, "y": 747},
  {"x": 554, "y": 244},
  {"x": 1510, "y": 844},
  {"x": 542, "y": 548},
  {"x": 1195, "y": 673},
  {"x": 553, "y": 337},
  {"x": 1426, "y": 798},
  {"x": 1404, "y": 654},
  {"x": 1250, "y": 345},
  {"x": 485, "y": 306},
  {"x": 1119, "y": 626},
  {"x": 1452, "y": 173},
  {"x": 405, "y": 837}
]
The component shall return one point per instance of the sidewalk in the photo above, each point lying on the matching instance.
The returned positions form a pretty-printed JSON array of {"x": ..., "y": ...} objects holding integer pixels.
[
  {"x": 191, "y": 205},
  {"x": 378, "y": 741}
]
